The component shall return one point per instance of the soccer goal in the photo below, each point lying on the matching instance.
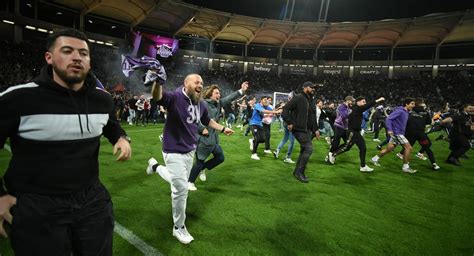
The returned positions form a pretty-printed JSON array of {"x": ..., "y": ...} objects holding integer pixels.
[{"x": 279, "y": 97}]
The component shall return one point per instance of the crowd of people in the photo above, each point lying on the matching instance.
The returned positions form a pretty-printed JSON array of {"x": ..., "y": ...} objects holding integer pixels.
[
  {"x": 22, "y": 63},
  {"x": 193, "y": 106}
]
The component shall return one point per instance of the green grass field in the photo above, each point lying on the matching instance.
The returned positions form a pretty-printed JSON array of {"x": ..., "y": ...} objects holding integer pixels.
[{"x": 249, "y": 207}]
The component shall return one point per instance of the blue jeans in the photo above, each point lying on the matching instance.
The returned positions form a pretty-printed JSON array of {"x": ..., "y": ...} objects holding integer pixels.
[
  {"x": 231, "y": 119},
  {"x": 288, "y": 136}
]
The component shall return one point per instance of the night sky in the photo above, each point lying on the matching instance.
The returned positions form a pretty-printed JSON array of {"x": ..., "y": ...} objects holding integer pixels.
[{"x": 339, "y": 10}]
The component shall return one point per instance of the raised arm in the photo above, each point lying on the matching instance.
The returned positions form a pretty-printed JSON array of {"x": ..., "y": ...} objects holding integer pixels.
[
  {"x": 157, "y": 91},
  {"x": 231, "y": 97}
]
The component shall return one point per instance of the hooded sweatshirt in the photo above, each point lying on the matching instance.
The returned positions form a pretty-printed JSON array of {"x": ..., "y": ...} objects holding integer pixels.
[
  {"x": 397, "y": 121},
  {"x": 343, "y": 112},
  {"x": 54, "y": 135}
]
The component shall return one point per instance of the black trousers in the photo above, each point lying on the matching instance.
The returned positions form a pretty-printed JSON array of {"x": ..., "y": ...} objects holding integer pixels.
[
  {"x": 81, "y": 223},
  {"x": 378, "y": 125},
  {"x": 258, "y": 137},
  {"x": 424, "y": 141},
  {"x": 306, "y": 149},
  {"x": 339, "y": 134},
  {"x": 354, "y": 137},
  {"x": 459, "y": 145},
  {"x": 267, "y": 131}
]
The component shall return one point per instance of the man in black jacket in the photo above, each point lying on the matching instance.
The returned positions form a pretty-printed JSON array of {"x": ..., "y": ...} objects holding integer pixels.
[
  {"x": 52, "y": 187},
  {"x": 354, "y": 136},
  {"x": 418, "y": 119},
  {"x": 299, "y": 114},
  {"x": 461, "y": 133}
]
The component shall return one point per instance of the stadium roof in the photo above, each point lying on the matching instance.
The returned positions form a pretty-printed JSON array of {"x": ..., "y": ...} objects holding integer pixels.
[{"x": 181, "y": 19}]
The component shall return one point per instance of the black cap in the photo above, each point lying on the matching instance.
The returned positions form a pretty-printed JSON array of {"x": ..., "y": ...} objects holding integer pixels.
[{"x": 308, "y": 84}]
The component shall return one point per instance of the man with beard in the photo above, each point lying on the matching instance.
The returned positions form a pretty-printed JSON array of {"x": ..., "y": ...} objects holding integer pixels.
[
  {"x": 61, "y": 207},
  {"x": 343, "y": 111},
  {"x": 186, "y": 111},
  {"x": 299, "y": 115}
]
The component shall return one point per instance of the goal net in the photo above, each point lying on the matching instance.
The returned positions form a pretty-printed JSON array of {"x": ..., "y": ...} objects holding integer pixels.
[{"x": 280, "y": 97}]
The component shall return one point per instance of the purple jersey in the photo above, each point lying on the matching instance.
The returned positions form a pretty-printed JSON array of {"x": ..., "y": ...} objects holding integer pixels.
[{"x": 180, "y": 134}]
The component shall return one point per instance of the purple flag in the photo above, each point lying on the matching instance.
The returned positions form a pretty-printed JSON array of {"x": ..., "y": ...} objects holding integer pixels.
[{"x": 130, "y": 64}]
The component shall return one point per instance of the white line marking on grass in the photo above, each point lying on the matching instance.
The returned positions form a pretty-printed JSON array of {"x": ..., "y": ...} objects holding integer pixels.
[
  {"x": 126, "y": 234},
  {"x": 135, "y": 240}
]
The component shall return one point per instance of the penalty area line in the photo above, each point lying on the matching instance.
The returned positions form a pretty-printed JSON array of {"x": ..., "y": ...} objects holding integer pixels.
[{"x": 128, "y": 235}]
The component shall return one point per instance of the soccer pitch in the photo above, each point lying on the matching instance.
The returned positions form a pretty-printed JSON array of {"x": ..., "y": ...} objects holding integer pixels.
[{"x": 249, "y": 207}]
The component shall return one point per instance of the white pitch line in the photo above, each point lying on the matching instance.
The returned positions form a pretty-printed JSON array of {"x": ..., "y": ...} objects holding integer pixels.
[{"x": 126, "y": 234}]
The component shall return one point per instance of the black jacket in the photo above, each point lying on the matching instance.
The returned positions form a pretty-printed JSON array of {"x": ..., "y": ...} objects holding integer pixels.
[
  {"x": 55, "y": 137},
  {"x": 462, "y": 124},
  {"x": 355, "y": 117},
  {"x": 300, "y": 112},
  {"x": 418, "y": 118}
]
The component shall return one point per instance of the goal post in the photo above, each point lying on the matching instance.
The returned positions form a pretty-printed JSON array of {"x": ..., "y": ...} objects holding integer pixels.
[{"x": 280, "y": 97}]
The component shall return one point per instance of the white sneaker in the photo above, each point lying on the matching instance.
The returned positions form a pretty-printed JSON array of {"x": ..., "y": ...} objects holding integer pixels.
[
  {"x": 400, "y": 156},
  {"x": 366, "y": 168},
  {"x": 182, "y": 235},
  {"x": 161, "y": 137},
  {"x": 267, "y": 151},
  {"x": 421, "y": 156},
  {"x": 331, "y": 158},
  {"x": 202, "y": 176},
  {"x": 376, "y": 140},
  {"x": 275, "y": 153},
  {"x": 191, "y": 186},
  {"x": 376, "y": 163},
  {"x": 436, "y": 166},
  {"x": 251, "y": 144},
  {"x": 255, "y": 157},
  {"x": 408, "y": 170},
  {"x": 149, "y": 169},
  {"x": 288, "y": 160}
]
